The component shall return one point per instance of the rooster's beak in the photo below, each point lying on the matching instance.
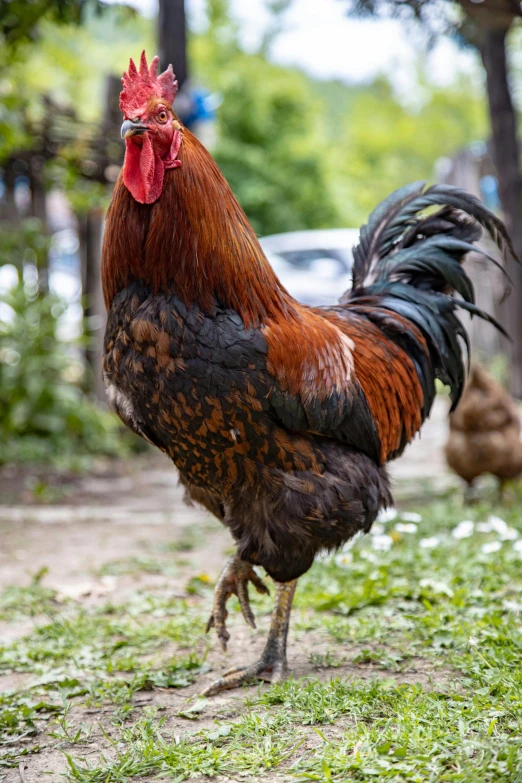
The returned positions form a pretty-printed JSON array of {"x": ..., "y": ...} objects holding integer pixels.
[{"x": 133, "y": 128}]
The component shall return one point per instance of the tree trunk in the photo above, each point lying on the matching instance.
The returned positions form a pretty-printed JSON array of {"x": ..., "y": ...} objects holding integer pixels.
[
  {"x": 506, "y": 153},
  {"x": 39, "y": 210},
  {"x": 9, "y": 212},
  {"x": 172, "y": 37}
]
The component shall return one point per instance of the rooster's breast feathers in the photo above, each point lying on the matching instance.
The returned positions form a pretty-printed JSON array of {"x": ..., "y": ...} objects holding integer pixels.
[{"x": 202, "y": 382}]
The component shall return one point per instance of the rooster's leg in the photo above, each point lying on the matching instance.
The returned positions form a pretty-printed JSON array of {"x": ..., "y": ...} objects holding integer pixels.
[
  {"x": 233, "y": 580},
  {"x": 273, "y": 659}
]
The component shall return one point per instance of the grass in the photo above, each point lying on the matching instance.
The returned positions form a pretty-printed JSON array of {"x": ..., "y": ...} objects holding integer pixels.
[{"x": 412, "y": 602}]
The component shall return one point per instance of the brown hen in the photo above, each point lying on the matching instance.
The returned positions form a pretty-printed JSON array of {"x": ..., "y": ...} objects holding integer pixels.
[{"x": 485, "y": 431}]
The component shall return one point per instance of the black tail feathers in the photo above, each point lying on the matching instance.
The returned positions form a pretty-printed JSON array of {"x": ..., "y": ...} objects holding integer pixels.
[{"x": 412, "y": 263}]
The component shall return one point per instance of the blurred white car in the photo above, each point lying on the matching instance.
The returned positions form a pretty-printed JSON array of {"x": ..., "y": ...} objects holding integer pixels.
[{"x": 314, "y": 266}]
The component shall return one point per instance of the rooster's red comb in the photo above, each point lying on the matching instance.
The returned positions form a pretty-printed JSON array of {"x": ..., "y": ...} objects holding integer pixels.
[{"x": 140, "y": 86}]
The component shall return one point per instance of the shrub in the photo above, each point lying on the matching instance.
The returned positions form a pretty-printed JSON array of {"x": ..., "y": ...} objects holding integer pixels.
[{"x": 44, "y": 413}]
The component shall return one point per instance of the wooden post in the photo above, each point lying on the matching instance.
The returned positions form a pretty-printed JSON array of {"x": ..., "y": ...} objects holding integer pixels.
[
  {"x": 172, "y": 37},
  {"x": 91, "y": 229}
]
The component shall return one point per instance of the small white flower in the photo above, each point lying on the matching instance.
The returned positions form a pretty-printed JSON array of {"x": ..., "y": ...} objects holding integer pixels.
[
  {"x": 491, "y": 546},
  {"x": 382, "y": 543},
  {"x": 517, "y": 546},
  {"x": 344, "y": 560},
  {"x": 429, "y": 543},
  {"x": 512, "y": 606},
  {"x": 406, "y": 527},
  {"x": 411, "y": 516},
  {"x": 464, "y": 529},
  {"x": 497, "y": 524},
  {"x": 377, "y": 529},
  {"x": 387, "y": 515},
  {"x": 473, "y": 641},
  {"x": 367, "y": 555},
  {"x": 437, "y": 587},
  {"x": 510, "y": 534}
]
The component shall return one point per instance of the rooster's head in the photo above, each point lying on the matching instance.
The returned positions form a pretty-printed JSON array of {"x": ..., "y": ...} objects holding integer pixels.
[{"x": 151, "y": 130}]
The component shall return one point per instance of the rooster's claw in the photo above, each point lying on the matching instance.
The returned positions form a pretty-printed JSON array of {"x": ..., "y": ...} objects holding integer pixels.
[{"x": 234, "y": 580}]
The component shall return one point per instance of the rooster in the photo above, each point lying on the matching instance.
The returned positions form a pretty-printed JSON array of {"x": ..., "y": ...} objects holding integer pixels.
[{"x": 280, "y": 418}]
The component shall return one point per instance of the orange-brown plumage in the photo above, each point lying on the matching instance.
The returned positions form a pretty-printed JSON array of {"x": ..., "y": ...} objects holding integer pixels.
[
  {"x": 395, "y": 398},
  {"x": 279, "y": 417},
  {"x": 178, "y": 241}
]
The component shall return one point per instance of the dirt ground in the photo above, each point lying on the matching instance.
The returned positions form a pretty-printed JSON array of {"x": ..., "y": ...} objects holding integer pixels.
[{"x": 72, "y": 527}]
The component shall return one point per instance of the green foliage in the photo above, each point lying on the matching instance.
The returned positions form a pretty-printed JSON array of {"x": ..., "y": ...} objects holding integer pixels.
[
  {"x": 20, "y": 19},
  {"x": 300, "y": 153},
  {"x": 12, "y": 133},
  {"x": 269, "y": 134},
  {"x": 44, "y": 415},
  {"x": 384, "y": 145},
  {"x": 270, "y": 129},
  {"x": 72, "y": 63},
  {"x": 21, "y": 25},
  {"x": 84, "y": 195},
  {"x": 68, "y": 62}
]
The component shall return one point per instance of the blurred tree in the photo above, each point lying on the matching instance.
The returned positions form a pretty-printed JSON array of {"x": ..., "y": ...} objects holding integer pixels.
[
  {"x": 486, "y": 26},
  {"x": 24, "y": 243},
  {"x": 269, "y": 136},
  {"x": 383, "y": 144},
  {"x": 54, "y": 146},
  {"x": 270, "y": 129},
  {"x": 20, "y": 20},
  {"x": 301, "y": 153},
  {"x": 21, "y": 23}
]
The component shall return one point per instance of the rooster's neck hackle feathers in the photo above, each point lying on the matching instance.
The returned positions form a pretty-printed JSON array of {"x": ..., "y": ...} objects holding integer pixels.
[
  {"x": 139, "y": 86},
  {"x": 201, "y": 241},
  {"x": 195, "y": 241}
]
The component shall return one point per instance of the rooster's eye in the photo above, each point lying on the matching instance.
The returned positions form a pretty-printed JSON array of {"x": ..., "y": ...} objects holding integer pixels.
[{"x": 162, "y": 116}]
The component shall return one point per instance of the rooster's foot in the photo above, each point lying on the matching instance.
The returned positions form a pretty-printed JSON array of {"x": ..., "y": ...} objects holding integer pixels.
[
  {"x": 234, "y": 580},
  {"x": 264, "y": 669},
  {"x": 272, "y": 665}
]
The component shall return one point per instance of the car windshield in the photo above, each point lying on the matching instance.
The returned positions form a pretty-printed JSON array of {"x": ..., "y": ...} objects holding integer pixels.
[{"x": 304, "y": 259}]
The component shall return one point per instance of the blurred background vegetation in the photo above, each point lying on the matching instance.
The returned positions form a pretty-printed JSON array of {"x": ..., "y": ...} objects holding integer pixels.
[{"x": 299, "y": 152}]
